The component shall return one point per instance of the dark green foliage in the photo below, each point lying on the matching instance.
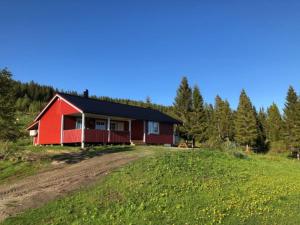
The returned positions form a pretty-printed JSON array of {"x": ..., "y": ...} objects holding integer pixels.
[
  {"x": 261, "y": 143},
  {"x": 223, "y": 119},
  {"x": 274, "y": 124},
  {"x": 245, "y": 122},
  {"x": 183, "y": 107},
  {"x": 211, "y": 131},
  {"x": 32, "y": 97},
  {"x": 198, "y": 117},
  {"x": 8, "y": 123},
  {"x": 292, "y": 119}
]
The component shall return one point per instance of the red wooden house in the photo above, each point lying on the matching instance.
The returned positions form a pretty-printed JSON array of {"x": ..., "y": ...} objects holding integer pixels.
[{"x": 70, "y": 119}]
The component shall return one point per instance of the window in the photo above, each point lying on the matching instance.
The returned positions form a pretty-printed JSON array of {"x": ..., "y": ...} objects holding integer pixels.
[
  {"x": 117, "y": 126},
  {"x": 153, "y": 127},
  {"x": 78, "y": 123},
  {"x": 100, "y": 125}
]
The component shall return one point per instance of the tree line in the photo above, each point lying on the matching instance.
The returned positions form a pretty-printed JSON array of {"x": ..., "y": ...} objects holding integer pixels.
[
  {"x": 202, "y": 123},
  {"x": 215, "y": 124}
]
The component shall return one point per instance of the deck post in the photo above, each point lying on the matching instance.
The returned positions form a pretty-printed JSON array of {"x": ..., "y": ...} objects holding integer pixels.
[
  {"x": 62, "y": 130},
  {"x": 108, "y": 128},
  {"x": 82, "y": 130},
  {"x": 129, "y": 128},
  {"x": 144, "y": 137}
]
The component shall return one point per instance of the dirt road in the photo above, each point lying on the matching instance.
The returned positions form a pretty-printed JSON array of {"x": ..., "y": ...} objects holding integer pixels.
[{"x": 34, "y": 191}]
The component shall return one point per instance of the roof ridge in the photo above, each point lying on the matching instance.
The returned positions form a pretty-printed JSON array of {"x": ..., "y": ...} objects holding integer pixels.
[{"x": 98, "y": 100}]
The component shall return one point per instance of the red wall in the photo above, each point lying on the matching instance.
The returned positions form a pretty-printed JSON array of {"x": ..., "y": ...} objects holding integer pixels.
[
  {"x": 119, "y": 137},
  {"x": 72, "y": 136},
  {"x": 69, "y": 122},
  {"x": 165, "y": 135},
  {"x": 50, "y": 122},
  {"x": 96, "y": 136}
]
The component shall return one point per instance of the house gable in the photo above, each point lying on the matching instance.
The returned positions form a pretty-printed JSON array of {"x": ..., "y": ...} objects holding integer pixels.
[{"x": 50, "y": 121}]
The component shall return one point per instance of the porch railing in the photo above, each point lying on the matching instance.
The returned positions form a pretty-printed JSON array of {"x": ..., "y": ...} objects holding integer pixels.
[
  {"x": 119, "y": 137},
  {"x": 96, "y": 136}
]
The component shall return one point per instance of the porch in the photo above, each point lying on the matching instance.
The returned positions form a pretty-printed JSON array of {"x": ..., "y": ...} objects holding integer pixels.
[
  {"x": 95, "y": 136},
  {"x": 94, "y": 129}
]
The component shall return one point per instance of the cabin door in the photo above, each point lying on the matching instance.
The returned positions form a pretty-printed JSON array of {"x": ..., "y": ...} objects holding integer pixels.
[{"x": 137, "y": 130}]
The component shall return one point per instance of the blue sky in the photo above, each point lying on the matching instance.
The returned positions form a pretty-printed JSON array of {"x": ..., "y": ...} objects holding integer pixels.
[{"x": 134, "y": 49}]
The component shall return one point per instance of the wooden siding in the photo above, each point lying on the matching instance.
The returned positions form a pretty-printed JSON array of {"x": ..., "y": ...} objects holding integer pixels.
[
  {"x": 95, "y": 136},
  {"x": 119, "y": 137},
  {"x": 72, "y": 136},
  {"x": 50, "y": 122},
  {"x": 69, "y": 122},
  {"x": 165, "y": 135},
  {"x": 159, "y": 139}
]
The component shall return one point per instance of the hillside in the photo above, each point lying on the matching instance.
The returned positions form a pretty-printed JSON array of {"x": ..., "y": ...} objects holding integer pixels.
[{"x": 184, "y": 187}]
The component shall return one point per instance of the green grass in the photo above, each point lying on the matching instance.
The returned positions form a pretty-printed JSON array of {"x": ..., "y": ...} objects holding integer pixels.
[
  {"x": 186, "y": 187},
  {"x": 10, "y": 171},
  {"x": 28, "y": 160}
]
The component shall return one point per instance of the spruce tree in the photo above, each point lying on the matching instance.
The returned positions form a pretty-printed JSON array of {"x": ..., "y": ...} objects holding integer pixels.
[
  {"x": 261, "y": 128},
  {"x": 292, "y": 119},
  {"x": 183, "y": 107},
  {"x": 274, "y": 124},
  {"x": 211, "y": 132},
  {"x": 223, "y": 119},
  {"x": 198, "y": 117},
  {"x": 7, "y": 110},
  {"x": 245, "y": 122}
]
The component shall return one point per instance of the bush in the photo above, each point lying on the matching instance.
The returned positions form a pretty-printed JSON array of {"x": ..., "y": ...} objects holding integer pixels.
[
  {"x": 278, "y": 147},
  {"x": 5, "y": 149},
  {"x": 9, "y": 151}
]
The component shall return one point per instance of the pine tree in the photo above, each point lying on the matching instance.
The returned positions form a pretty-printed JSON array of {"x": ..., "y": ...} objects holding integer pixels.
[
  {"x": 211, "y": 132},
  {"x": 246, "y": 122},
  {"x": 274, "y": 124},
  {"x": 261, "y": 128},
  {"x": 223, "y": 119},
  {"x": 7, "y": 109},
  {"x": 292, "y": 119},
  {"x": 183, "y": 107},
  {"x": 198, "y": 117}
]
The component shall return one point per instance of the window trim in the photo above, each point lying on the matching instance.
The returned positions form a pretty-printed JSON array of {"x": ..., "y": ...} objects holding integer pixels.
[
  {"x": 117, "y": 125},
  {"x": 101, "y": 121},
  {"x": 77, "y": 123},
  {"x": 152, "y": 131}
]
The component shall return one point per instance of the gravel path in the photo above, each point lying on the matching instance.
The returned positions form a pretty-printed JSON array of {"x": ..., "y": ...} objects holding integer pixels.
[{"x": 36, "y": 190}]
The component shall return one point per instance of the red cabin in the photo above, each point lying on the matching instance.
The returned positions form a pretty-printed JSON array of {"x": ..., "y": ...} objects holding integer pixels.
[{"x": 70, "y": 119}]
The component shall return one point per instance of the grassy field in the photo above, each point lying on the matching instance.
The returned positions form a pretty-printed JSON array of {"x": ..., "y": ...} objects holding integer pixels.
[
  {"x": 184, "y": 187},
  {"x": 25, "y": 160}
]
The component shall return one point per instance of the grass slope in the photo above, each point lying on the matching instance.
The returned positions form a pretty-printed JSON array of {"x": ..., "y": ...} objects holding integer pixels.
[{"x": 191, "y": 187}]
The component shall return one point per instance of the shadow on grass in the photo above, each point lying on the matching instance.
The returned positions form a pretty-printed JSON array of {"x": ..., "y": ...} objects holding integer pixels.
[{"x": 76, "y": 157}]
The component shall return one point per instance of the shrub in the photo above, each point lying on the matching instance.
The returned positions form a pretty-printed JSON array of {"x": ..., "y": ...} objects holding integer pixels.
[
  {"x": 5, "y": 149},
  {"x": 10, "y": 151},
  {"x": 278, "y": 147}
]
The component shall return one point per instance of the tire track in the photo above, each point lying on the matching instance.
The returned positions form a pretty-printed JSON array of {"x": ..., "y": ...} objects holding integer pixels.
[{"x": 36, "y": 190}]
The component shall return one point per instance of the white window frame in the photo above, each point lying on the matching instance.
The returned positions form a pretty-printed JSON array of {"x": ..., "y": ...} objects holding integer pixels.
[
  {"x": 78, "y": 124},
  {"x": 119, "y": 126},
  {"x": 101, "y": 127},
  {"x": 151, "y": 128}
]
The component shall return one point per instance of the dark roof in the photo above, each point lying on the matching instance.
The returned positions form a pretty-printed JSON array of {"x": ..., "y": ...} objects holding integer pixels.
[{"x": 107, "y": 108}]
